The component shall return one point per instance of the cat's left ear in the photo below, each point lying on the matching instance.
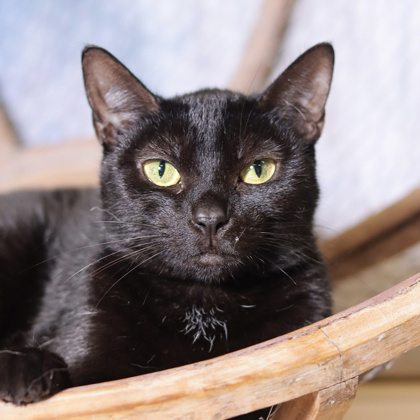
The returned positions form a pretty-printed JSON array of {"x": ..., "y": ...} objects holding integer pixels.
[
  {"x": 299, "y": 94},
  {"x": 116, "y": 96}
]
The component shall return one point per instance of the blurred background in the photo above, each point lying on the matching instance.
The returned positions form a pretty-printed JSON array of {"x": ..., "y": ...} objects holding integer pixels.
[{"x": 369, "y": 153}]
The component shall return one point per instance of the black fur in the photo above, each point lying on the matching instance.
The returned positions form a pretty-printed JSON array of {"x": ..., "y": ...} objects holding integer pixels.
[{"x": 96, "y": 286}]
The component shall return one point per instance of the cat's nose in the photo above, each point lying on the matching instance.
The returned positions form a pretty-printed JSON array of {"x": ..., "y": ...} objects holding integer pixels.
[{"x": 209, "y": 217}]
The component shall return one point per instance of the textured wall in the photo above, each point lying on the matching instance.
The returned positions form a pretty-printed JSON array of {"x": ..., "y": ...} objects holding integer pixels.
[{"x": 173, "y": 46}]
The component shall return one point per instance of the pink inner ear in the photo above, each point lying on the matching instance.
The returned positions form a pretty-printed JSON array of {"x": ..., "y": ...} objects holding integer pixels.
[{"x": 317, "y": 96}]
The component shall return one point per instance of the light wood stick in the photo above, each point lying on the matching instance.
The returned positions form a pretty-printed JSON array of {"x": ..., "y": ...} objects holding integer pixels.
[
  {"x": 9, "y": 141},
  {"x": 373, "y": 227},
  {"x": 263, "y": 47},
  {"x": 71, "y": 164},
  {"x": 308, "y": 360},
  {"x": 379, "y": 237},
  {"x": 331, "y": 403}
]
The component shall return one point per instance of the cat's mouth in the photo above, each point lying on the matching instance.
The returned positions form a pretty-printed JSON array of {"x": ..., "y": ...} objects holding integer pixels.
[{"x": 208, "y": 266}]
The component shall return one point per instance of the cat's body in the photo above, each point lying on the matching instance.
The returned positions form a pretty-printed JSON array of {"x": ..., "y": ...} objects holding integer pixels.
[{"x": 142, "y": 277}]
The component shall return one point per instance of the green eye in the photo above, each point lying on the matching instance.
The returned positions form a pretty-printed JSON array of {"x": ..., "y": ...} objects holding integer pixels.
[
  {"x": 258, "y": 172},
  {"x": 161, "y": 173}
]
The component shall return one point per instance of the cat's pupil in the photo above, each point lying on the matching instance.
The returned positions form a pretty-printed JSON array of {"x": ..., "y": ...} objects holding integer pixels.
[
  {"x": 161, "y": 169},
  {"x": 258, "y": 168}
]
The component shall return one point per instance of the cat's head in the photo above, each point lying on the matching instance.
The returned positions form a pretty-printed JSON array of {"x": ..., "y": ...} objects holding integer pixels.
[{"x": 212, "y": 184}]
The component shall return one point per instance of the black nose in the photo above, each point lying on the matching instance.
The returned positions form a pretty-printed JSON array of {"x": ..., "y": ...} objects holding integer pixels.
[{"x": 209, "y": 217}]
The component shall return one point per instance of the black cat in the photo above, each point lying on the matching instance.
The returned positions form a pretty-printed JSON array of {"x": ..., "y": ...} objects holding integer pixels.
[{"x": 198, "y": 243}]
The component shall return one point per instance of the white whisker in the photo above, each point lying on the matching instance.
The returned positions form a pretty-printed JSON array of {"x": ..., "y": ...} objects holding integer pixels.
[{"x": 125, "y": 275}]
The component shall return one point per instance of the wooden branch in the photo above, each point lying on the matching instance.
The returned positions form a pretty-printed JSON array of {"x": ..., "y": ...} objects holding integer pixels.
[
  {"x": 312, "y": 359},
  {"x": 378, "y": 250},
  {"x": 373, "y": 227},
  {"x": 263, "y": 47},
  {"x": 379, "y": 237},
  {"x": 327, "y": 404},
  {"x": 70, "y": 164},
  {"x": 9, "y": 141},
  {"x": 387, "y": 400}
]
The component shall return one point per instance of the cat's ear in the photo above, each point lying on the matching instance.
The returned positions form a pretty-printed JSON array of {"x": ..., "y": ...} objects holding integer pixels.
[
  {"x": 299, "y": 94},
  {"x": 116, "y": 96}
]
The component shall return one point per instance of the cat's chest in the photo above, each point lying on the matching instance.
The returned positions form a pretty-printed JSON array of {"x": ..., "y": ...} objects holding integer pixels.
[
  {"x": 197, "y": 314},
  {"x": 166, "y": 324}
]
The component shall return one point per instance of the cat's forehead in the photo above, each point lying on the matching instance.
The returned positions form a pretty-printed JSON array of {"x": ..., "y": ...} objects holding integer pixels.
[
  {"x": 214, "y": 123},
  {"x": 208, "y": 124}
]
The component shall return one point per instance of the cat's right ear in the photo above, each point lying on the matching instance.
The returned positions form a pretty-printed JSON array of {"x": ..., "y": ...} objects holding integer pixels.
[{"x": 116, "y": 96}]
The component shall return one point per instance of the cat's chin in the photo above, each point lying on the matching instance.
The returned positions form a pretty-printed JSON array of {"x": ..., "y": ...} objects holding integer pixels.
[{"x": 209, "y": 259}]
